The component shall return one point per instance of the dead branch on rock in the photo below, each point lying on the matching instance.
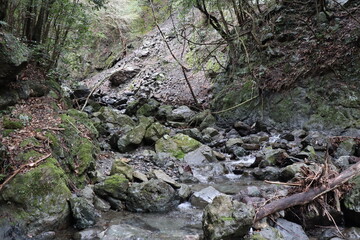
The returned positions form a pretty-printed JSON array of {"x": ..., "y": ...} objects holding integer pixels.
[
  {"x": 23, "y": 167},
  {"x": 309, "y": 195}
]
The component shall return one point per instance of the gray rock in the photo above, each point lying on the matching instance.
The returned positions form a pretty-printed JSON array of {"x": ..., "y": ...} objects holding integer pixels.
[
  {"x": 101, "y": 204},
  {"x": 164, "y": 111},
  {"x": 83, "y": 212},
  {"x": 161, "y": 175},
  {"x": 288, "y": 172},
  {"x": 155, "y": 131},
  {"x": 200, "y": 156},
  {"x": 251, "y": 146},
  {"x": 184, "y": 192},
  {"x": 267, "y": 173},
  {"x": 225, "y": 218},
  {"x": 148, "y": 109},
  {"x": 124, "y": 232},
  {"x": 13, "y": 57},
  {"x": 151, "y": 196},
  {"x": 342, "y": 162},
  {"x": 242, "y": 128},
  {"x": 140, "y": 176},
  {"x": 290, "y": 230},
  {"x": 268, "y": 233},
  {"x": 346, "y": 148},
  {"x": 182, "y": 113},
  {"x": 315, "y": 139},
  {"x": 193, "y": 133},
  {"x": 203, "y": 197},
  {"x": 233, "y": 142},
  {"x": 88, "y": 193},
  {"x": 275, "y": 156},
  {"x": 86, "y": 234},
  {"x": 123, "y": 75}
]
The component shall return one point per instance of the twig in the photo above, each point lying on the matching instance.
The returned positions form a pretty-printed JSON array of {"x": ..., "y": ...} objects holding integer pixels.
[
  {"x": 22, "y": 167},
  {"x": 233, "y": 107},
  {"x": 283, "y": 183}
]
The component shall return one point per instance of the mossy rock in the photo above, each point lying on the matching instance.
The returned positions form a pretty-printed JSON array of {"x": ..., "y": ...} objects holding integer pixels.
[
  {"x": 114, "y": 186},
  {"x": 31, "y": 141},
  {"x": 178, "y": 145},
  {"x": 83, "y": 152},
  {"x": 41, "y": 193},
  {"x": 120, "y": 167},
  {"x": 12, "y": 124},
  {"x": 155, "y": 131},
  {"x": 28, "y": 156}
]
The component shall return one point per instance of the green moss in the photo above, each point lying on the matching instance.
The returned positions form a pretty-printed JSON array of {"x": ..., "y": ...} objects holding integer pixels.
[
  {"x": 227, "y": 219},
  {"x": 28, "y": 156},
  {"x": 30, "y": 142},
  {"x": 12, "y": 124},
  {"x": 7, "y": 132},
  {"x": 178, "y": 145},
  {"x": 41, "y": 190},
  {"x": 83, "y": 152}
]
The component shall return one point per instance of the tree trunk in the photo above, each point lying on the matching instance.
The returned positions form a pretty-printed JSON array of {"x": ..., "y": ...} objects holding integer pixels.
[
  {"x": 308, "y": 196},
  {"x": 3, "y": 9}
]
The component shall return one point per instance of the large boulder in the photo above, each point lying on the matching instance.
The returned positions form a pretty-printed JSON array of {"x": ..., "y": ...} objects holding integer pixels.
[
  {"x": 83, "y": 212},
  {"x": 13, "y": 57},
  {"x": 227, "y": 219},
  {"x": 37, "y": 198},
  {"x": 120, "y": 167},
  {"x": 123, "y": 75},
  {"x": 151, "y": 196}
]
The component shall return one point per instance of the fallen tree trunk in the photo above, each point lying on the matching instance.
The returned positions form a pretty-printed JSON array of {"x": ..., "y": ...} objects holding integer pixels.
[{"x": 307, "y": 196}]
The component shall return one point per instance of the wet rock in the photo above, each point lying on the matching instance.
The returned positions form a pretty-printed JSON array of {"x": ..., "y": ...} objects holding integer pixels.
[
  {"x": 225, "y": 218},
  {"x": 251, "y": 146},
  {"x": 115, "y": 186},
  {"x": 290, "y": 230},
  {"x": 346, "y": 148},
  {"x": 120, "y": 167},
  {"x": 125, "y": 232},
  {"x": 86, "y": 234},
  {"x": 115, "y": 204},
  {"x": 288, "y": 136},
  {"x": 268, "y": 233},
  {"x": 267, "y": 173},
  {"x": 219, "y": 156},
  {"x": 123, "y": 75},
  {"x": 181, "y": 114},
  {"x": 83, "y": 212},
  {"x": 184, "y": 192},
  {"x": 101, "y": 204},
  {"x": 233, "y": 142},
  {"x": 242, "y": 128},
  {"x": 151, "y": 196},
  {"x": 299, "y": 133},
  {"x": 177, "y": 145},
  {"x": 161, "y": 175},
  {"x": 203, "y": 197},
  {"x": 155, "y": 132}
]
